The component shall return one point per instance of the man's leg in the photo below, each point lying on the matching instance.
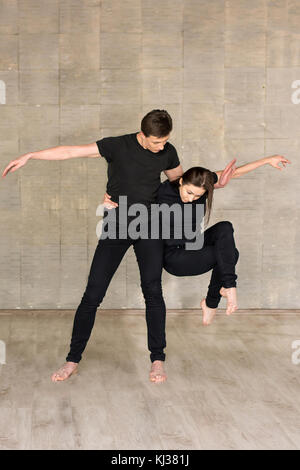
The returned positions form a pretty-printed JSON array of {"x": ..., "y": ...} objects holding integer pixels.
[
  {"x": 149, "y": 254},
  {"x": 106, "y": 260},
  {"x": 107, "y": 257}
]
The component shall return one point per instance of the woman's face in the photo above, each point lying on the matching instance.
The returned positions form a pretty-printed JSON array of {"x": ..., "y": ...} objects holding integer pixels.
[{"x": 189, "y": 192}]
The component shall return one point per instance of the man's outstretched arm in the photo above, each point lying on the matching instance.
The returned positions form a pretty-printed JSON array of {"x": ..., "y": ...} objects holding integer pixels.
[{"x": 62, "y": 152}]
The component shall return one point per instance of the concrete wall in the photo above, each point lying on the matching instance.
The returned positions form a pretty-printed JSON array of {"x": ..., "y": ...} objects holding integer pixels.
[{"x": 79, "y": 70}]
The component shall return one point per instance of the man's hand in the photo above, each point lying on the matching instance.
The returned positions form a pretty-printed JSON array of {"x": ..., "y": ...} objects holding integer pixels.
[
  {"x": 108, "y": 203},
  {"x": 274, "y": 161},
  {"x": 226, "y": 174},
  {"x": 15, "y": 164}
]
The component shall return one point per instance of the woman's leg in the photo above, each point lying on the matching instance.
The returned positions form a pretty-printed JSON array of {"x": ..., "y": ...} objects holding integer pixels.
[
  {"x": 218, "y": 253},
  {"x": 220, "y": 235}
]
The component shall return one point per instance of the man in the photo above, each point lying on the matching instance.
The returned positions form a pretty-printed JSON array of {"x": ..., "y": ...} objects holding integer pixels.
[{"x": 135, "y": 162}]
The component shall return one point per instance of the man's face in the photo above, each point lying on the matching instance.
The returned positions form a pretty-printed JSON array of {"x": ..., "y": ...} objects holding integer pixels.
[{"x": 155, "y": 144}]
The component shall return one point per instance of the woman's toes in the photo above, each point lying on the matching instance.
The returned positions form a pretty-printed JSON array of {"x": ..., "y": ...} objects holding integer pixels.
[{"x": 231, "y": 309}]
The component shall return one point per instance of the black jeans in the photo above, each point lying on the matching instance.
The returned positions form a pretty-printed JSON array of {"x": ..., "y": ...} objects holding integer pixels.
[
  {"x": 107, "y": 257},
  {"x": 218, "y": 253}
]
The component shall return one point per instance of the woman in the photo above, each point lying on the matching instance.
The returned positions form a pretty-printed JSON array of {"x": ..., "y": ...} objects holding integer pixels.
[{"x": 218, "y": 251}]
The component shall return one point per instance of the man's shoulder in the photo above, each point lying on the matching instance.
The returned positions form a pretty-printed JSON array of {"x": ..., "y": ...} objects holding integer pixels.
[
  {"x": 119, "y": 138},
  {"x": 170, "y": 147},
  {"x": 127, "y": 136}
]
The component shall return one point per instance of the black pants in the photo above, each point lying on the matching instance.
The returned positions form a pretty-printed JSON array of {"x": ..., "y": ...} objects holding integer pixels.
[
  {"x": 218, "y": 253},
  {"x": 107, "y": 257}
]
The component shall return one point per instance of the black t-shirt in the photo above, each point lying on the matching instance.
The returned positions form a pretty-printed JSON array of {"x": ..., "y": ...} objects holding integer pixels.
[
  {"x": 169, "y": 194},
  {"x": 134, "y": 171}
]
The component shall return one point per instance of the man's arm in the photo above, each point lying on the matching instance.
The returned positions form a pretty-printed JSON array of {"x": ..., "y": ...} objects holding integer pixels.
[
  {"x": 62, "y": 152},
  {"x": 174, "y": 173}
]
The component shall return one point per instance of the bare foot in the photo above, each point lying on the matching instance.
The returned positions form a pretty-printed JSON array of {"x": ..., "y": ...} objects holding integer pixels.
[
  {"x": 230, "y": 295},
  {"x": 157, "y": 373},
  {"x": 207, "y": 313},
  {"x": 65, "y": 371}
]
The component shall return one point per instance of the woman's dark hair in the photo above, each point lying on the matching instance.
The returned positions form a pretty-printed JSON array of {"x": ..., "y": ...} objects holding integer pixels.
[
  {"x": 203, "y": 178},
  {"x": 157, "y": 122}
]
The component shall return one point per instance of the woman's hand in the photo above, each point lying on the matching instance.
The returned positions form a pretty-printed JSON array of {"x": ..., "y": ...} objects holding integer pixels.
[
  {"x": 108, "y": 203},
  {"x": 16, "y": 164},
  {"x": 226, "y": 174},
  {"x": 274, "y": 161}
]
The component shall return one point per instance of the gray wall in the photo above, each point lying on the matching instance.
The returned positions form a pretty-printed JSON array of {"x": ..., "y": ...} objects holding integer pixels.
[{"x": 79, "y": 70}]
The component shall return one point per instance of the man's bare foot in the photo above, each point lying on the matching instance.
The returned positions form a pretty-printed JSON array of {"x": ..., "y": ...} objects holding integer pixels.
[
  {"x": 207, "y": 313},
  {"x": 65, "y": 371},
  {"x": 157, "y": 373},
  {"x": 230, "y": 295}
]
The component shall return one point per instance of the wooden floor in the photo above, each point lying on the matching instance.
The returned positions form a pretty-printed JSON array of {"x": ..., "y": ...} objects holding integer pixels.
[{"x": 232, "y": 385}]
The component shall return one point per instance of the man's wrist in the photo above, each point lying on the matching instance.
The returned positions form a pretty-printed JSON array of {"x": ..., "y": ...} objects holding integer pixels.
[{"x": 266, "y": 160}]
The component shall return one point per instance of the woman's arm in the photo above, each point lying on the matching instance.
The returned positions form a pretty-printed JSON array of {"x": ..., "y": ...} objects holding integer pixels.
[
  {"x": 225, "y": 175},
  {"x": 273, "y": 160}
]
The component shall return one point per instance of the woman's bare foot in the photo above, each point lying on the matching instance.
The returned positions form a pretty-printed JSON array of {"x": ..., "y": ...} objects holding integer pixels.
[
  {"x": 65, "y": 371},
  {"x": 157, "y": 373},
  {"x": 207, "y": 313},
  {"x": 230, "y": 295}
]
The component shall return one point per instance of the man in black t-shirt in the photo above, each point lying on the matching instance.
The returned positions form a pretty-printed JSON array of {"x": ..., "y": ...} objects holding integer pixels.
[{"x": 135, "y": 162}]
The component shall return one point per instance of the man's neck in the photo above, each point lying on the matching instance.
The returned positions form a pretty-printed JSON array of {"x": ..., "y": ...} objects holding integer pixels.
[{"x": 140, "y": 140}]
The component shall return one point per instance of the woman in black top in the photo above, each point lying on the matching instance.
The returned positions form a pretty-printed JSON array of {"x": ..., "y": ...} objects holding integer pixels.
[
  {"x": 215, "y": 250},
  {"x": 218, "y": 251}
]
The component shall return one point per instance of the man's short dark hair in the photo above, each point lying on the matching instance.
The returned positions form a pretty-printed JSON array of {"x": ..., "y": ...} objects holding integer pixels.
[{"x": 157, "y": 122}]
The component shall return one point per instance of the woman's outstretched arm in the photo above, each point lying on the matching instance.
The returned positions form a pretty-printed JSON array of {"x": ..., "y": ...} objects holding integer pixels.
[{"x": 273, "y": 160}]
